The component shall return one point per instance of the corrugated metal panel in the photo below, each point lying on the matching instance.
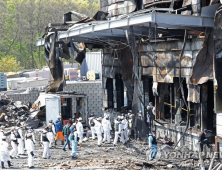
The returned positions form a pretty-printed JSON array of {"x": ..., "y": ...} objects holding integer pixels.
[{"x": 92, "y": 62}]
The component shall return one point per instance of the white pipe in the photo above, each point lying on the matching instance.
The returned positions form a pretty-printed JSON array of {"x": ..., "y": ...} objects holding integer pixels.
[
  {"x": 216, "y": 166},
  {"x": 219, "y": 167},
  {"x": 212, "y": 161},
  {"x": 201, "y": 159}
]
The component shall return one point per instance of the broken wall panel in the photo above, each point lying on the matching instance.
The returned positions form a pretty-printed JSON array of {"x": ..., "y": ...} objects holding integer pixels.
[
  {"x": 162, "y": 60},
  {"x": 203, "y": 67},
  {"x": 193, "y": 93},
  {"x": 168, "y": 59}
]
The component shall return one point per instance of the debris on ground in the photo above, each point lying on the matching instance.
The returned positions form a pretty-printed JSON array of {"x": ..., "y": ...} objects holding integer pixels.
[
  {"x": 12, "y": 112},
  {"x": 167, "y": 141}
]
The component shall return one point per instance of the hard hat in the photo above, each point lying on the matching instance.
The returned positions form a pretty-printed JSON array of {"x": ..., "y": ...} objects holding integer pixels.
[
  {"x": 119, "y": 117},
  {"x": 92, "y": 115},
  {"x": 122, "y": 117},
  {"x": 79, "y": 119},
  {"x": 29, "y": 135},
  {"x": 3, "y": 137},
  {"x": 99, "y": 119},
  {"x": 58, "y": 117},
  {"x": 74, "y": 124},
  {"x": 2, "y": 127}
]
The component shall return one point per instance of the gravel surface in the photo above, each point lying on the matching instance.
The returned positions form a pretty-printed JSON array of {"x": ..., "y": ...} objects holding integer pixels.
[{"x": 129, "y": 156}]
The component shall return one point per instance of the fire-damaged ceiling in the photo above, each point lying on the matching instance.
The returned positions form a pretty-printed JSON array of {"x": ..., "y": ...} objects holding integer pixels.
[{"x": 163, "y": 30}]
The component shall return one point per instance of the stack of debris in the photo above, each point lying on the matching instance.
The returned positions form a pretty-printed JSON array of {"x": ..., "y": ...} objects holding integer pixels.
[{"x": 12, "y": 112}]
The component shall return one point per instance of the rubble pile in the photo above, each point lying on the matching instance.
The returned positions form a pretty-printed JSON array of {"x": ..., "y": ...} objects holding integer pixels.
[{"x": 12, "y": 112}]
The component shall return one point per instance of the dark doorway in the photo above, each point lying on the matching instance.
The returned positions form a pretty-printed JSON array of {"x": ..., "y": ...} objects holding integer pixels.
[
  {"x": 151, "y": 97},
  {"x": 119, "y": 92},
  {"x": 66, "y": 108},
  {"x": 109, "y": 87},
  {"x": 210, "y": 106}
]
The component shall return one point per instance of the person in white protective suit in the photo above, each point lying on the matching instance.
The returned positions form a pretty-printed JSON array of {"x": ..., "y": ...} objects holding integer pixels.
[
  {"x": 79, "y": 129},
  {"x": 125, "y": 128},
  {"x": 92, "y": 126},
  {"x": 51, "y": 134},
  {"x": 99, "y": 131},
  {"x": 106, "y": 128},
  {"x": 45, "y": 142},
  {"x": 30, "y": 131},
  {"x": 30, "y": 150},
  {"x": 4, "y": 153},
  {"x": 118, "y": 131},
  {"x": 20, "y": 138},
  {"x": 14, "y": 143},
  {"x": 2, "y": 133}
]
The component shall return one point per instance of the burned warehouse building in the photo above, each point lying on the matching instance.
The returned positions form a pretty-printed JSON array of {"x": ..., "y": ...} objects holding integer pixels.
[{"x": 164, "y": 52}]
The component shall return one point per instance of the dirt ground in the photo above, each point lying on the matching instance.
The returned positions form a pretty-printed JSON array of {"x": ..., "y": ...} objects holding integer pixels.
[{"x": 129, "y": 156}]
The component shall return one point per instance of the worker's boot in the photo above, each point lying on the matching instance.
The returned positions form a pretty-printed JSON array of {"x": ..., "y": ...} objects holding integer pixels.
[
  {"x": 73, "y": 157},
  {"x": 62, "y": 142},
  {"x": 9, "y": 164},
  {"x": 55, "y": 142},
  {"x": 2, "y": 164},
  {"x": 80, "y": 144}
]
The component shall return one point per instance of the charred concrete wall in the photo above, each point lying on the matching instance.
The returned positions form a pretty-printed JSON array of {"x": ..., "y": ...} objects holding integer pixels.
[{"x": 93, "y": 90}]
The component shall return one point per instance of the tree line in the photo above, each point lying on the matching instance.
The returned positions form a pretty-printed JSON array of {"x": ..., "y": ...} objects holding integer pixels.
[{"x": 23, "y": 21}]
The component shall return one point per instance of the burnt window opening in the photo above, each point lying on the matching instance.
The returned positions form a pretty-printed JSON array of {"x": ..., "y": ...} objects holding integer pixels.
[
  {"x": 109, "y": 87},
  {"x": 119, "y": 92}
]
